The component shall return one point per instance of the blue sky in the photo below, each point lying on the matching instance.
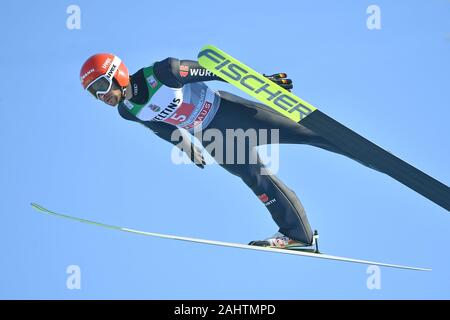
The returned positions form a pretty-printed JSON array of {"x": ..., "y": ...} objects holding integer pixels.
[{"x": 68, "y": 152}]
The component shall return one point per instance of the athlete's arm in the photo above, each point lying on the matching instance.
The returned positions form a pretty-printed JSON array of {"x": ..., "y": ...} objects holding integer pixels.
[
  {"x": 165, "y": 131},
  {"x": 175, "y": 73}
]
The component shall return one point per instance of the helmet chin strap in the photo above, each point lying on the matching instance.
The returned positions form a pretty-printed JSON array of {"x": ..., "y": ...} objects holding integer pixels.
[{"x": 124, "y": 93}]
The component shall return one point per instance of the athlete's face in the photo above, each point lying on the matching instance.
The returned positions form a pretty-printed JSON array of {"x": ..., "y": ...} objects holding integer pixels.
[{"x": 113, "y": 96}]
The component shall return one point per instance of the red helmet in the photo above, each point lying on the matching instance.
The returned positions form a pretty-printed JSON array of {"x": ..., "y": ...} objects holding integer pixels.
[{"x": 97, "y": 73}]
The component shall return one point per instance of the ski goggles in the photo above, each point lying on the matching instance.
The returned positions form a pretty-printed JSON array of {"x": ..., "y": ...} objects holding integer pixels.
[{"x": 102, "y": 85}]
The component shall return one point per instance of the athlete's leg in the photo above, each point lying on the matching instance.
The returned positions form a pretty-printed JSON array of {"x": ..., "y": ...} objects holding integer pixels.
[
  {"x": 282, "y": 203},
  {"x": 249, "y": 114}
]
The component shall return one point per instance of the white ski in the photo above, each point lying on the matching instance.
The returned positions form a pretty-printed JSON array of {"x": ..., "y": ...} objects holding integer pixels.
[{"x": 228, "y": 244}]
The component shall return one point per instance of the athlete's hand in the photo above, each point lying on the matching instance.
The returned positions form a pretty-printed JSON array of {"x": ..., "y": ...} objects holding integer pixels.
[
  {"x": 281, "y": 80},
  {"x": 196, "y": 156}
]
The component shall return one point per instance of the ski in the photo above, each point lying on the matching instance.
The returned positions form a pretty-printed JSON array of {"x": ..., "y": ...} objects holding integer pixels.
[
  {"x": 226, "y": 244},
  {"x": 298, "y": 110}
]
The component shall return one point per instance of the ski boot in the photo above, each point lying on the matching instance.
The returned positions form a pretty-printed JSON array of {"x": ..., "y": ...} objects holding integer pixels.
[{"x": 280, "y": 241}]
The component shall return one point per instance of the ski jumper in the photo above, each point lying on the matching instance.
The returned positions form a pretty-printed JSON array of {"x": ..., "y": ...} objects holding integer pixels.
[{"x": 171, "y": 94}]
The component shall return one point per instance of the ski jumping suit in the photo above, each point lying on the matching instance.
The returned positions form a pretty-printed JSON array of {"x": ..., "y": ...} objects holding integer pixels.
[{"x": 171, "y": 94}]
